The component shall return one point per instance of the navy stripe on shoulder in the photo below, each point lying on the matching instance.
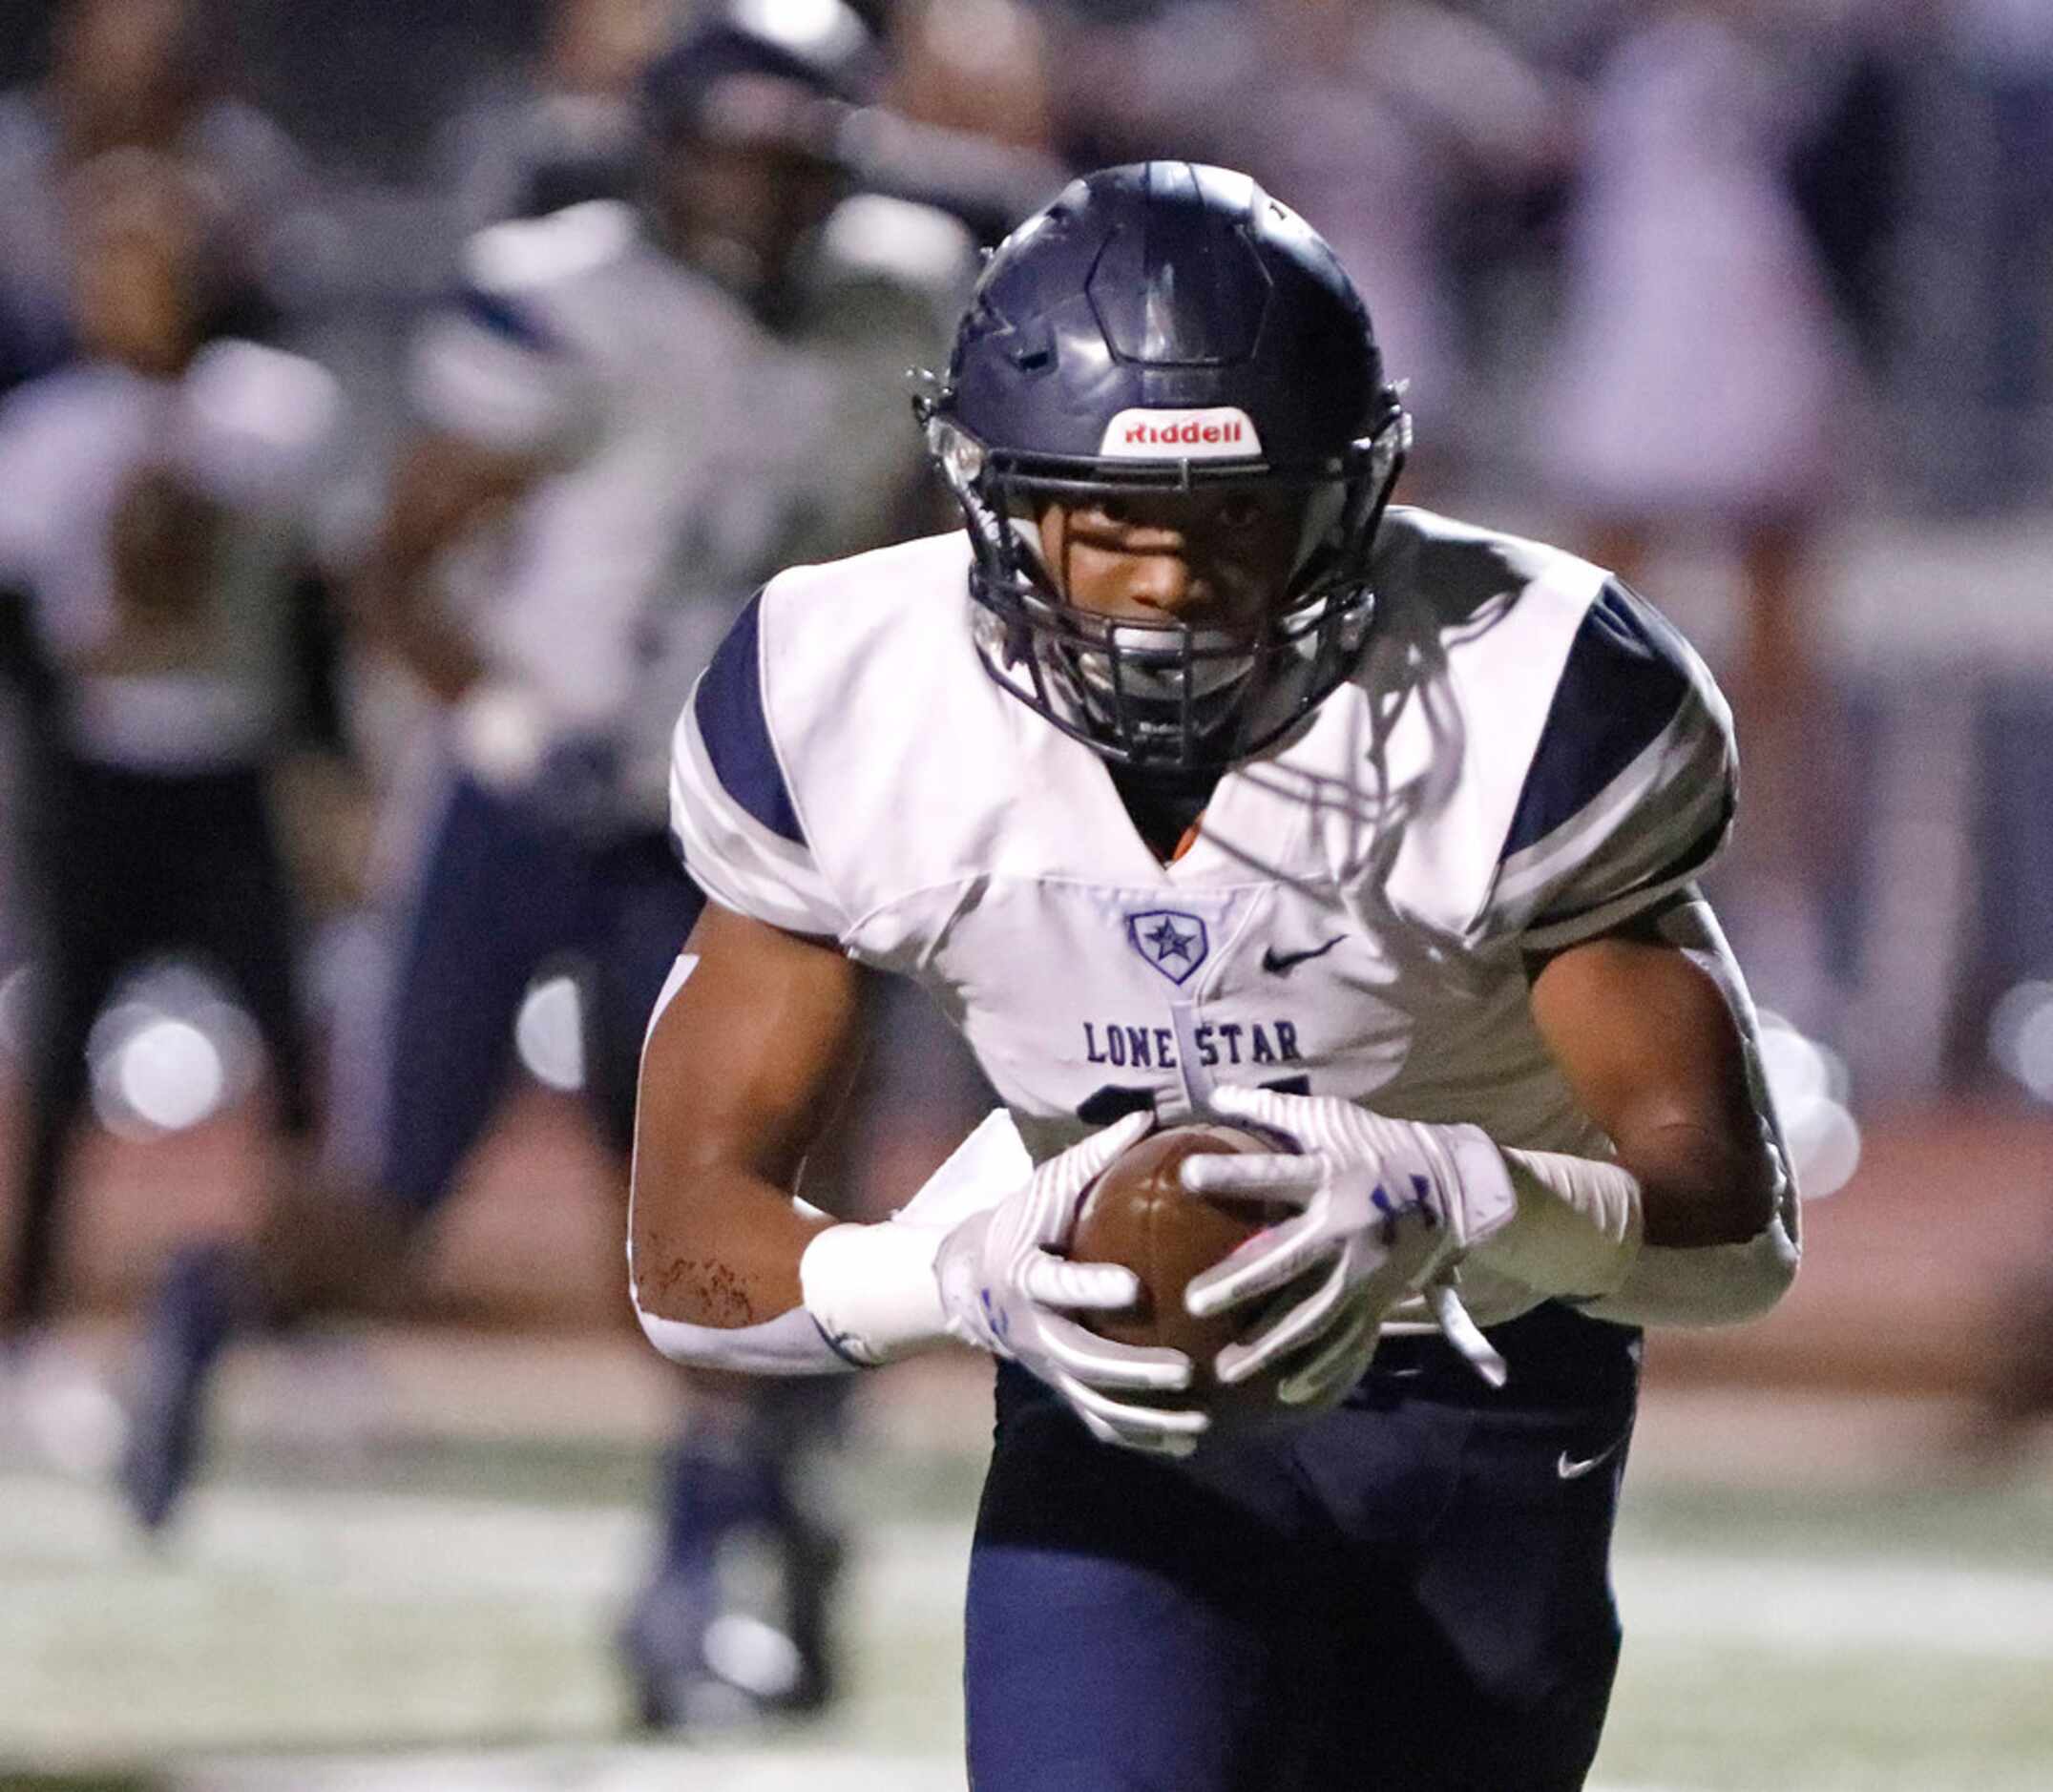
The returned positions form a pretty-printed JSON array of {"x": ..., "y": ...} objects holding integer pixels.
[
  {"x": 1624, "y": 681},
  {"x": 1686, "y": 864},
  {"x": 502, "y": 317},
  {"x": 728, "y": 708}
]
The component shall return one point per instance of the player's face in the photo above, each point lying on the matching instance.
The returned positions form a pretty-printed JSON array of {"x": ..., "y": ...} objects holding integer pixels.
[
  {"x": 743, "y": 208},
  {"x": 1204, "y": 560}
]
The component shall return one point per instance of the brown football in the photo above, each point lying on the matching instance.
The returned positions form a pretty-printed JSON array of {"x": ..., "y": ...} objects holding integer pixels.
[{"x": 1138, "y": 1213}]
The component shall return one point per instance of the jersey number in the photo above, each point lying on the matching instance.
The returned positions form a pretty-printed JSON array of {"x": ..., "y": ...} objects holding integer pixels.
[{"x": 1115, "y": 1101}]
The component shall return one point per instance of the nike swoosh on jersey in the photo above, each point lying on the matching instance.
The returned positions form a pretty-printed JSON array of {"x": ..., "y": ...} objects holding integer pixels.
[
  {"x": 1575, "y": 1467},
  {"x": 1282, "y": 964}
]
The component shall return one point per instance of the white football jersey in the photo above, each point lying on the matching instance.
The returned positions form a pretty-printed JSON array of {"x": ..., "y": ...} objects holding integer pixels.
[
  {"x": 578, "y": 341},
  {"x": 1527, "y": 756},
  {"x": 690, "y": 450},
  {"x": 251, "y": 428}
]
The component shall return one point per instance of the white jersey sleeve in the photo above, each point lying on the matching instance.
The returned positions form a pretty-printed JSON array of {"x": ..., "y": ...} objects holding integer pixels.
[
  {"x": 731, "y": 805},
  {"x": 1630, "y": 792},
  {"x": 503, "y": 363}
]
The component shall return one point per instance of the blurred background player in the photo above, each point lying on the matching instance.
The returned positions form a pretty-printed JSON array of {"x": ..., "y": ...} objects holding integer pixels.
[
  {"x": 122, "y": 74},
  {"x": 630, "y": 416},
  {"x": 140, "y": 74},
  {"x": 968, "y": 121},
  {"x": 155, "y": 518}
]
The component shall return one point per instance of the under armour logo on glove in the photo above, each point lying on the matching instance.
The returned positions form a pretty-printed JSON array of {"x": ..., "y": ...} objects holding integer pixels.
[
  {"x": 1363, "y": 1248},
  {"x": 1421, "y": 1206}
]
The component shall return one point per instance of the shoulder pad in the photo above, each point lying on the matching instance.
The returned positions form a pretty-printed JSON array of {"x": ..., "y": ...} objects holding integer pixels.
[
  {"x": 1628, "y": 792},
  {"x": 243, "y": 388},
  {"x": 532, "y": 252},
  {"x": 727, "y": 707},
  {"x": 872, "y": 237},
  {"x": 1625, "y": 680}
]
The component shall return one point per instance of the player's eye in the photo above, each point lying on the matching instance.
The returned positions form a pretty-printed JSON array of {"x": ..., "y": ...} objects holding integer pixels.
[{"x": 1241, "y": 515}]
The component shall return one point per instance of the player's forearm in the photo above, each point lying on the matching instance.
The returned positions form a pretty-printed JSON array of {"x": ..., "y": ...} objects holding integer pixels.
[
  {"x": 752, "y": 1044},
  {"x": 398, "y": 613},
  {"x": 716, "y": 1286},
  {"x": 1653, "y": 1029},
  {"x": 730, "y": 1260},
  {"x": 866, "y": 1294},
  {"x": 444, "y": 488},
  {"x": 792, "y": 1293},
  {"x": 1720, "y": 1244}
]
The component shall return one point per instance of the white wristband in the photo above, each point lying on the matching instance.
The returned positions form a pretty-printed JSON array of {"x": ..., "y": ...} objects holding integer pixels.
[
  {"x": 872, "y": 1289},
  {"x": 1575, "y": 1227}
]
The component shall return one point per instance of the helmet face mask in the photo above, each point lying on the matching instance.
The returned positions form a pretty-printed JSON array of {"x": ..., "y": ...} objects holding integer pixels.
[
  {"x": 1267, "y": 386},
  {"x": 1152, "y": 692}
]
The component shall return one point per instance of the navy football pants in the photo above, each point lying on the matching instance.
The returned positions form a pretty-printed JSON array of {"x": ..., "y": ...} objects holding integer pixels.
[
  {"x": 131, "y": 864},
  {"x": 1404, "y": 1595},
  {"x": 503, "y": 895}
]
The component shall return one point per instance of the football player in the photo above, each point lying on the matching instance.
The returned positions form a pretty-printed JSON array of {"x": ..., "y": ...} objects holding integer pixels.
[
  {"x": 1193, "y": 779},
  {"x": 156, "y": 497},
  {"x": 621, "y": 426}
]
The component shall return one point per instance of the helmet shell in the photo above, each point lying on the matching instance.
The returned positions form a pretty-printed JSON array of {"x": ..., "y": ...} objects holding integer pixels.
[
  {"x": 823, "y": 51},
  {"x": 1166, "y": 285}
]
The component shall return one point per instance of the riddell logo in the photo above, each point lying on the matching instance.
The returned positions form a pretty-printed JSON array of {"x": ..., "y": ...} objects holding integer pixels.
[
  {"x": 1222, "y": 432},
  {"x": 1190, "y": 434}
]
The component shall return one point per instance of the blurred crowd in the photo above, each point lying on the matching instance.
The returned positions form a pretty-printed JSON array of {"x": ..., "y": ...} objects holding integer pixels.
[
  {"x": 1477, "y": 164},
  {"x": 1705, "y": 283}
]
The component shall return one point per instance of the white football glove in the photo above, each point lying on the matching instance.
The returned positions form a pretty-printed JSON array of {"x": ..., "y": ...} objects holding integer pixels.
[
  {"x": 501, "y": 731},
  {"x": 1388, "y": 1208},
  {"x": 1004, "y": 1291}
]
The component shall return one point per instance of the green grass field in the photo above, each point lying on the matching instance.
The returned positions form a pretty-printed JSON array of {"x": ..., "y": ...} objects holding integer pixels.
[{"x": 433, "y": 1610}]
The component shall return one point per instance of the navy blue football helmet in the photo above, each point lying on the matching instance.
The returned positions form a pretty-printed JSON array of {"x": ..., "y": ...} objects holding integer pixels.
[
  {"x": 748, "y": 70},
  {"x": 1166, "y": 326}
]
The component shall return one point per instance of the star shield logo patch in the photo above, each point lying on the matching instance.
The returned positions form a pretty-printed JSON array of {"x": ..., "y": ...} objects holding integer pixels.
[{"x": 1174, "y": 942}]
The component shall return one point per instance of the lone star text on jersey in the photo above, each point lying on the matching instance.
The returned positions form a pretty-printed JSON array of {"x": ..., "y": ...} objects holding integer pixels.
[{"x": 1218, "y": 1042}]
